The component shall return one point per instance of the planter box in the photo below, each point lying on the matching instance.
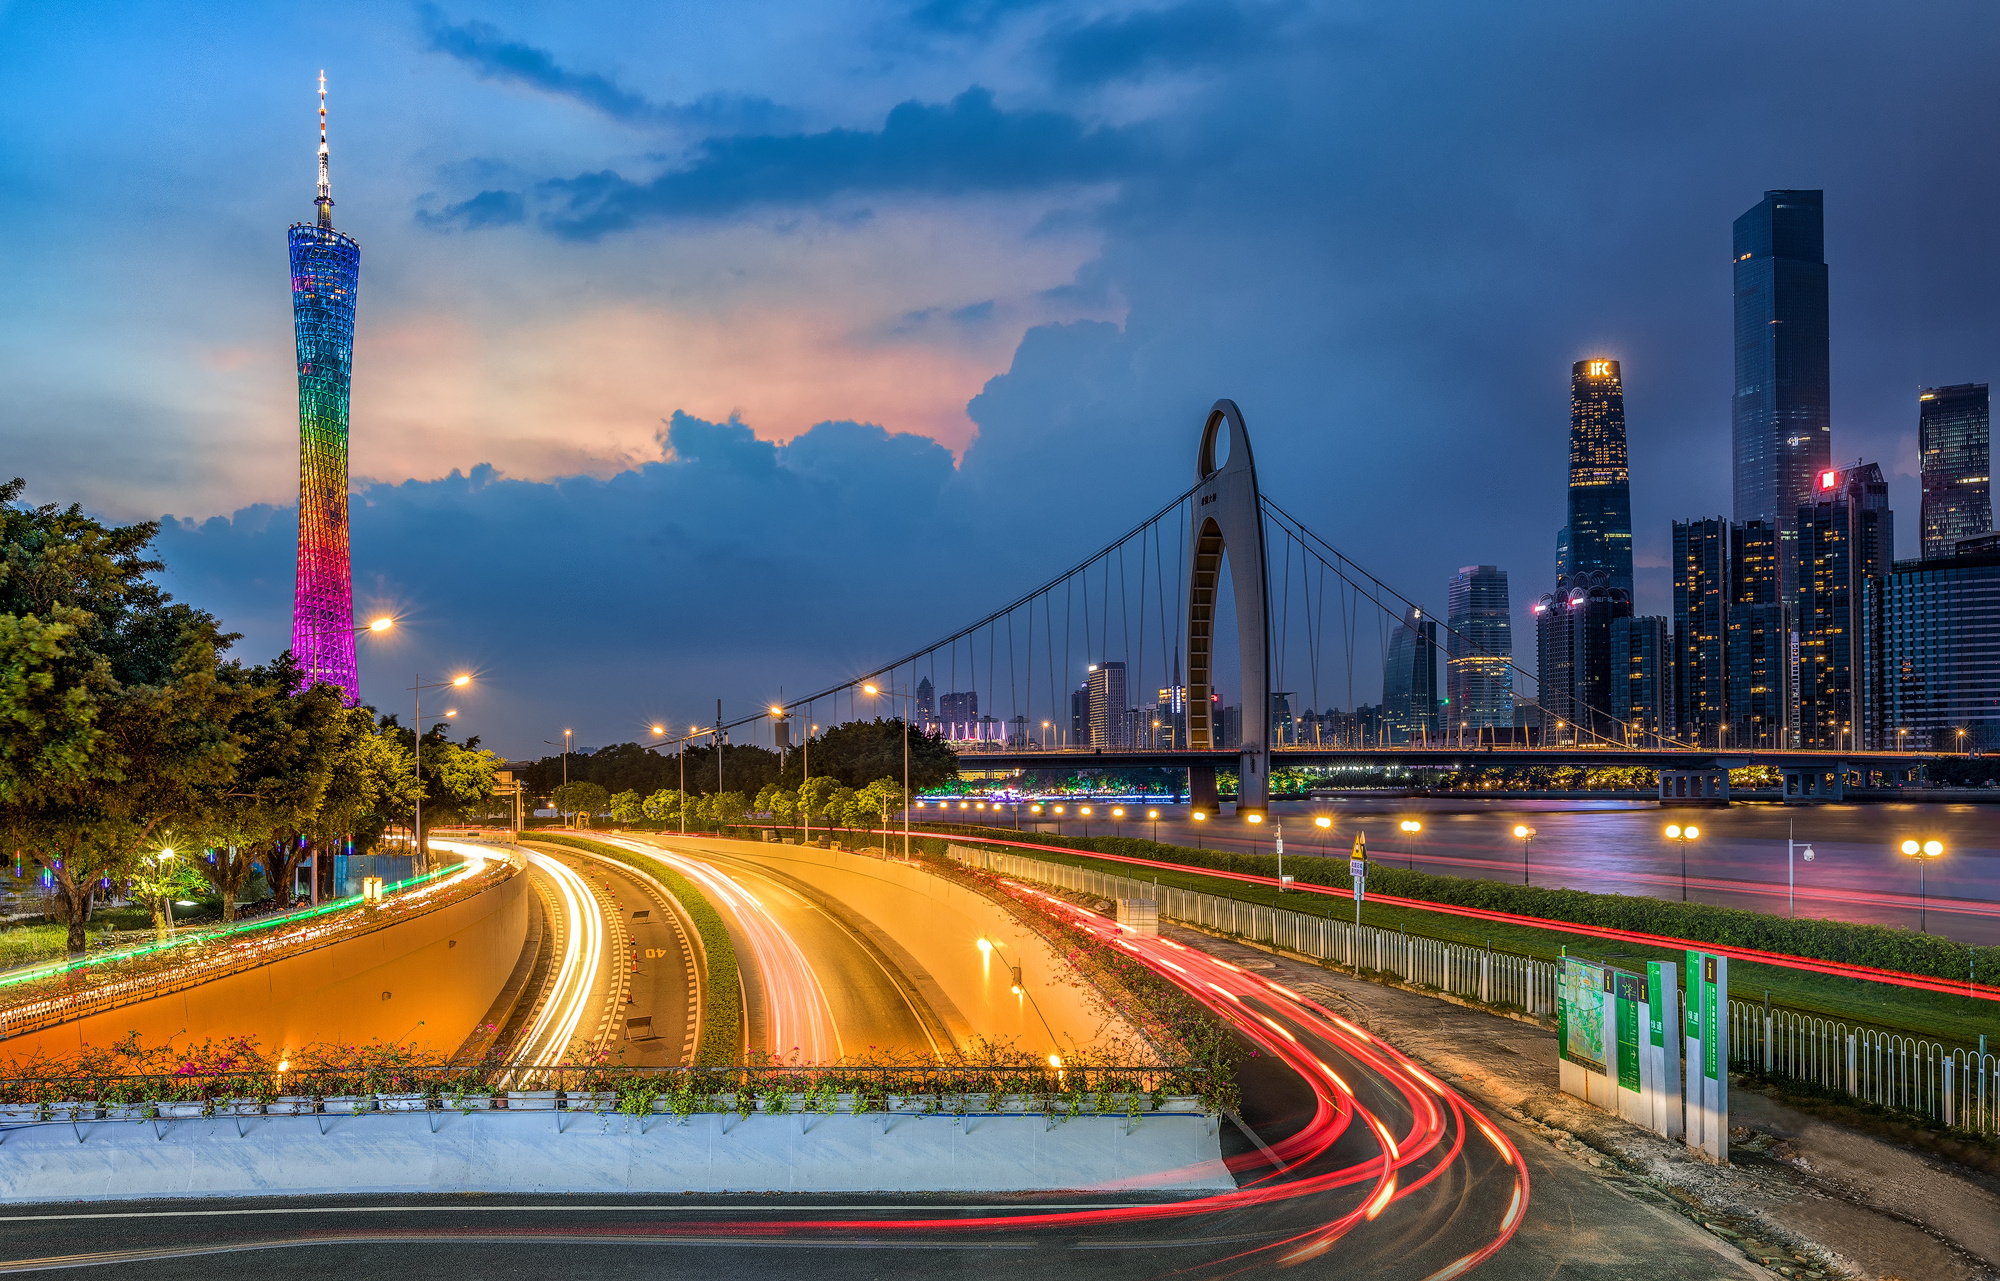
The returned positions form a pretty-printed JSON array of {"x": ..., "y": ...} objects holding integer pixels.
[
  {"x": 75, "y": 1110},
  {"x": 239, "y": 1107},
  {"x": 181, "y": 1109},
  {"x": 472, "y": 1102},
  {"x": 131, "y": 1111},
  {"x": 292, "y": 1105},
  {"x": 532, "y": 1100},
  {"x": 402, "y": 1102},
  {"x": 603, "y": 1101},
  {"x": 348, "y": 1104},
  {"x": 20, "y": 1113}
]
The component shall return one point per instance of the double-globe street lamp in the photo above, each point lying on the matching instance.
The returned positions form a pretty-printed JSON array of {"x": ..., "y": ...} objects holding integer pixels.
[
  {"x": 1923, "y": 852},
  {"x": 1524, "y": 834},
  {"x": 1410, "y": 829},
  {"x": 1681, "y": 836}
]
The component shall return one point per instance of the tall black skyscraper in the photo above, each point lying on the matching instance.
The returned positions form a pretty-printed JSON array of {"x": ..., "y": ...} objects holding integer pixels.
[
  {"x": 1600, "y": 485},
  {"x": 1954, "y": 438},
  {"x": 1780, "y": 423},
  {"x": 1479, "y": 651}
]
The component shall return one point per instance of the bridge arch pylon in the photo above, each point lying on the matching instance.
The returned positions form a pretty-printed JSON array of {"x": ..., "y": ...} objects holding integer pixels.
[{"x": 1226, "y": 518}]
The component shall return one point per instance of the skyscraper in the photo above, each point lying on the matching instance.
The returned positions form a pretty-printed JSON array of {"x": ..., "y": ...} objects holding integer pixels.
[
  {"x": 1479, "y": 650},
  {"x": 1954, "y": 439},
  {"x": 1844, "y": 542},
  {"x": 1780, "y": 424},
  {"x": 326, "y": 270},
  {"x": 1106, "y": 692},
  {"x": 1600, "y": 485},
  {"x": 1704, "y": 571},
  {"x": 1641, "y": 679},
  {"x": 1939, "y": 670},
  {"x": 1409, "y": 682}
]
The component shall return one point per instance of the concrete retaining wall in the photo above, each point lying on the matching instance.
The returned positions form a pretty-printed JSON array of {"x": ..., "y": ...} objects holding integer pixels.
[
  {"x": 524, "y": 1152},
  {"x": 426, "y": 980},
  {"x": 940, "y": 923}
]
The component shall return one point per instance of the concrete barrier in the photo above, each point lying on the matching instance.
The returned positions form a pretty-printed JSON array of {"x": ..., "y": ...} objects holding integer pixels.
[
  {"x": 525, "y": 1152},
  {"x": 940, "y": 923},
  {"x": 426, "y": 980}
]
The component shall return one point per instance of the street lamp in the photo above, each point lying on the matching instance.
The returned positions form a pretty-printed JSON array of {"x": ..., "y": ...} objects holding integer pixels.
[
  {"x": 1200, "y": 817},
  {"x": 1085, "y": 811},
  {"x": 1790, "y": 877},
  {"x": 1155, "y": 816},
  {"x": 1412, "y": 827},
  {"x": 1682, "y": 835},
  {"x": 1523, "y": 833},
  {"x": 1922, "y": 853},
  {"x": 874, "y": 692},
  {"x": 1118, "y": 820},
  {"x": 417, "y": 824}
]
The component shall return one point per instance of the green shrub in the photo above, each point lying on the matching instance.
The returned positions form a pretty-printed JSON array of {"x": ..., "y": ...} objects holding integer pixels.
[{"x": 722, "y": 1021}]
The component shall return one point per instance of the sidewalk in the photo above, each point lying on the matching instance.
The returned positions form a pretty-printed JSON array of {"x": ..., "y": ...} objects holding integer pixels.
[{"x": 1802, "y": 1197}]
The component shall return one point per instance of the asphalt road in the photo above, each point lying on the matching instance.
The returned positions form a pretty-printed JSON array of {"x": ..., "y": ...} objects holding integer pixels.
[
  {"x": 623, "y": 977},
  {"x": 1857, "y": 873},
  {"x": 869, "y": 1006}
]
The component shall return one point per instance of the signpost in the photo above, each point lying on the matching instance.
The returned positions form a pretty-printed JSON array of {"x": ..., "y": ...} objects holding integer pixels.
[
  {"x": 1708, "y": 1055},
  {"x": 1611, "y": 1037},
  {"x": 1357, "y": 867}
]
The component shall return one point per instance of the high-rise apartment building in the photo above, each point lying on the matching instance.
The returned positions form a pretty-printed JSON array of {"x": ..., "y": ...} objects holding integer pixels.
[
  {"x": 1642, "y": 664},
  {"x": 958, "y": 714},
  {"x": 1846, "y": 537},
  {"x": 326, "y": 273},
  {"x": 1703, "y": 566},
  {"x": 926, "y": 705},
  {"x": 1780, "y": 419},
  {"x": 1759, "y": 641},
  {"x": 1600, "y": 483},
  {"x": 1409, "y": 681},
  {"x": 1170, "y": 717},
  {"x": 1106, "y": 686},
  {"x": 1479, "y": 650},
  {"x": 1937, "y": 677},
  {"x": 1079, "y": 716},
  {"x": 1955, "y": 444},
  {"x": 1579, "y": 670}
]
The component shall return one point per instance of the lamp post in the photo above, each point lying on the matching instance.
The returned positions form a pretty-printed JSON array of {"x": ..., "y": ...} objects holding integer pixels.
[
  {"x": 1118, "y": 820},
  {"x": 1411, "y": 827},
  {"x": 1790, "y": 878},
  {"x": 417, "y": 826},
  {"x": 1523, "y": 833},
  {"x": 1085, "y": 811},
  {"x": 1155, "y": 816},
  {"x": 872, "y": 692},
  {"x": 1681, "y": 836},
  {"x": 1199, "y": 817},
  {"x": 166, "y": 856},
  {"x": 1923, "y": 852}
]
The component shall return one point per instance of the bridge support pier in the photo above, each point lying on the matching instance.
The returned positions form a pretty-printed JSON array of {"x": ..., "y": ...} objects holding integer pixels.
[
  {"x": 1201, "y": 788},
  {"x": 1814, "y": 784},
  {"x": 1694, "y": 787}
]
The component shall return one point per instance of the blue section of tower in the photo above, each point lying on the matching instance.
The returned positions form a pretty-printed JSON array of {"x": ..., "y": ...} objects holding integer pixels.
[{"x": 326, "y": 271}]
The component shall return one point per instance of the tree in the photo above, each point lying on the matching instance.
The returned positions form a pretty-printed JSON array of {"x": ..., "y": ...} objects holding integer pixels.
[
  {"x": 861, "y": 750},
  {"x": 813, "y": 795},
  {"x": 627, "y": 807},
  {"x": 875, "y": 802},
  {"x": 114, "y": 706},
  {"x": 726, "y": 809},
  {"x": 664, "y": 806},
  {"x": 161, "y": 878},
  {"x": 374, "y": 783},
  {"x": 581, "y": 798},
  {"x": 784, "y": 806},
  {"x": 839, "y": 807}
]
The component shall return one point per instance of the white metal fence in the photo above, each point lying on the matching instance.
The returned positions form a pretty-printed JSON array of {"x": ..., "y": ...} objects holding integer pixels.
[{"x": 1959, "y": 1086}]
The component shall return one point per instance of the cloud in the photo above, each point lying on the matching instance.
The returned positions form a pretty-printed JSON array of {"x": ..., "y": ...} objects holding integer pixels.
[
  {"x": 487, "y": 209},
  {"x": 969, "y": 146},
  {"x": 493, "y": 56},
  {"x": 1196, "y": 34}
]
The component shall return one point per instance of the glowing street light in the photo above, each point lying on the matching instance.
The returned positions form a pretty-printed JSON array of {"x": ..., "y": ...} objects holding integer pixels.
[
  {"x": 1155, "y": 816},
  {"x": 382, "y": 624},
  {"x": 1923, "y": 853},
  {"x": 1524, "y": 834},
  {"x": 1118, "y": 820},
  {"x": 1410, "y": 828},
  {"x": 1200, "y": 817},
  {"x": 417, "y": 822},
  {"x": 1682, "y": 835}
]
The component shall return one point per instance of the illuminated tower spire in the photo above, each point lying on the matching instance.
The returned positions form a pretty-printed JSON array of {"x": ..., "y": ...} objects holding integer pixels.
[
  {"x": 325, "y": 200},
  {"x": 326, "y": 270}
]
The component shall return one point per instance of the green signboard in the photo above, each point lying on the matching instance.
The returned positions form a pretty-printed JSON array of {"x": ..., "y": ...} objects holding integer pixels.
[
  {"x": 1658, "y": 1022},
  {"x": 1693, "y": 989},
  {"x": 1580, "y": 1013},
  {"x": 1710, "y": 1041},
  {"x": 1630, "y": 993}
]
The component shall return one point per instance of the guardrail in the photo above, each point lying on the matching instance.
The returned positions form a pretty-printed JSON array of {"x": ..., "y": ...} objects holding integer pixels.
[
  {"x": 62, "y": 991},
  {"x": 1955, "y": 1086}
]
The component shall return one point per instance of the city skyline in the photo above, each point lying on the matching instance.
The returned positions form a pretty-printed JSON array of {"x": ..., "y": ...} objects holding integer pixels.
[{"x": 593, "y": 357}]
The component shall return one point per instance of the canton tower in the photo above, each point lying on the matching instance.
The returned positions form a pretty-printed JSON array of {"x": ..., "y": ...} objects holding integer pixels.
[{"x": 326, "y": 269}]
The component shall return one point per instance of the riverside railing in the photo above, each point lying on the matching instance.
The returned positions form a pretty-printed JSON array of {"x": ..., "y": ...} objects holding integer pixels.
[
  {"x": 1957, "y": 1086},
  {"x": 62, "y": 991}
]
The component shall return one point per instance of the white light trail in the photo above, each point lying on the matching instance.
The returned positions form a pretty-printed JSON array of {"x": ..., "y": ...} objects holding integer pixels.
[{"x": 555, "y": 1024}]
